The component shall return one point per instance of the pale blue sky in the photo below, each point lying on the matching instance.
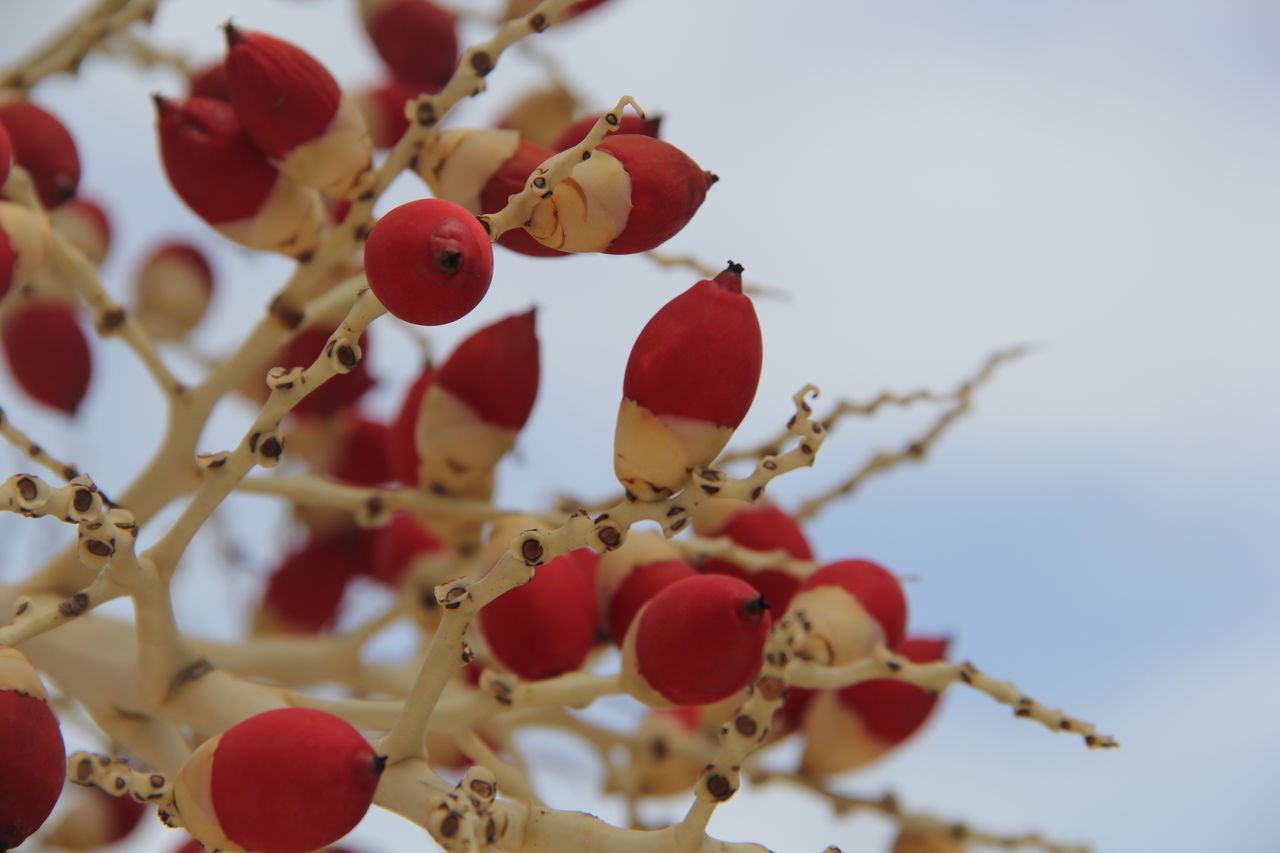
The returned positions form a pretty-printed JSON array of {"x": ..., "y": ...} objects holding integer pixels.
[{"x": 930, "y": 181}]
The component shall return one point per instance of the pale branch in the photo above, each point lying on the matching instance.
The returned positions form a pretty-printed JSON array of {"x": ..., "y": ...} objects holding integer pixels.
[
  {"x": 544, "y": 178},
  {"x": 916, "y": 822},
  {"x": 462, "y": 598},
  {"x": 915, "y": 450},
  {"x": 117, "y": 778},
  {"x": 33, "y": 451},
  {"x": 371, "y": 506},
  {"x": 695, "y": 549},
  {"x": 66, "y": 49},
  {"x": 663, "y": 259},
  {"x": 936, "y": 677},
  {"x": 136, "y": 48},
  {"x": 75, "y": 269}
]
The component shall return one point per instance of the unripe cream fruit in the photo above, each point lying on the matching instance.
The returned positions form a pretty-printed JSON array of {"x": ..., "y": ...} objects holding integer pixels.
[
  {"x": 653, "y": 454},
  {"x": 835, "y": 740},
  {"x": 172, "y": 291},
  {"x": 587, "y": 210},
  {"x": 29, "y": 238},
  {"x": 458, "y": 447},
  {"x": 456, "y": 164}
]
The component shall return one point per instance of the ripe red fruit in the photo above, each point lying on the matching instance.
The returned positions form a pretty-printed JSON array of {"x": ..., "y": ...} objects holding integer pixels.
[
  {"x": 396, "y": 545},
  {"x": 547, "y": 626},
  {"x": 697, "y": 641},
  {"x": 32, "y": 762},
  {"x": 364, "y": 457},
  {"x": 292, "y": 109},
  {"x": 85, "y": 224},
  {"x": 634, "y": 194},
  {"x": 227, "y": 181},
  {"x": 210, "y": 82},
  {"x": 48, "y": 353},
  {"x": 628, "y": 576},
  {"x": 508, "y": 180},
  {"x": 403, "y": 444},
  {"x": 851, "y": 605},
  {"x": 291, "y": 780},
  {"x": 6, "y": 155},
  {"x": 761, "y": 528},
  {"x": 576, "y": 132},
  {"x": 43, "y": 146},
  {"x": 172, "y": 290},
  {"x": 416, "y": 39},
  {"x": 383, "y": 110},
  {"x": 690, "y": 380},
  {"x": 304, "y": 593},
  {"x": 429, "y": 261},
  {"x": 480, "y": 398}
]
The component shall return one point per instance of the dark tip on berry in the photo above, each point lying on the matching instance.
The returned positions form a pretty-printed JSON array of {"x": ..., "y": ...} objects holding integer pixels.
[
  {"x": 734, "y": 267},
  {"x": 755, "y": 607},
  {"x": 712, "y": 178},
  {"x": 233, "y": 35},
  {"x": 379, "y": 764},
  {"x": 449, "y": 260},
  {"x": 163, "y": 104}
]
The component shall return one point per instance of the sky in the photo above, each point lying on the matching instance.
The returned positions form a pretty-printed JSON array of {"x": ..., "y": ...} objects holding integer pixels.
[{"x": 927, "y": 183}]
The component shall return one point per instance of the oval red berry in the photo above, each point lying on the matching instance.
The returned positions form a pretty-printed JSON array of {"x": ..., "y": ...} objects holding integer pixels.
[{"x": 429, "y": 261}]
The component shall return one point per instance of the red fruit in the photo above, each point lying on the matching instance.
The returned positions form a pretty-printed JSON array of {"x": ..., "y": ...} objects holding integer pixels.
[
  {"x": 32, "y": 762},
  {"x": 698, "y": 641},
  {"x": 634, "y": 194},
  {"x": 396, "y": 545},
  {"x": 48, "y": 353},
  {"x": 365, "y": 456},
  {"x": 291, "y": 780},
  {"x": 429, "y": 261},
  {"x": 495, "y": 371},
  {"x": 547, "y": 626},
  {"x": 227, "y": 181},
  {"x": 383, "y": 111},
  {"x": 689, "y": 382},
  {"x": 404, "y": 447},
  {"x": 760, "y": 528},
  {"x": 210, "y": 82},
  {"x": 304, "y": 593},
  {"x": 292, "y": 109},
  {"x": 337, "y": 392},
  {"x": 894, "y": 710},
  {"x": 576, "y": 132},
  {"x": 85, "y": 224},
  {"x": 281, "y": 94},
  {"x": 172, "y": 290},
  {"x": 43, "y": 146},
  {"x": 635, "y": 591},
  {"x": 509, "y": 180},
  {"x": 416, "y": 39},
  {"x": 628, "y": 576},
  {"x": 851, "y": 605},
  {"x": 6, "y": 155}
]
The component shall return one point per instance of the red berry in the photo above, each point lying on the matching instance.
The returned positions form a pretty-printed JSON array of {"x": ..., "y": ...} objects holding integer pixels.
[
  {"x": 48, "y": 353},
  {"x": 383, "y": 111},
  {"x": 43, "y": 146},
  {"x": 638, "y": 588},
  {"x": 281, "y": 94},
  {"x": 97, "y": 820},
  {"x": 495, "y": 371},
  {"x": 364, "y": 458},
  {"x": 760, "y": 528},
  {"x": 304, "y": 593},
  {"x": 547, "y": 626},
  {"x": 697, "y": 641},
  {"x": 396, "y": 545},
  {"x": 690, "y": 379},
  {"x": 508, "y": 180},
  {"x": 6, "y": 155},
  {"x": 210, "y": 82},
  {"x": 416, "y": 39},
  {"x": 628, "y": 576},
  {"x": 894, "y": 710},
  {"x": 291, "y": 780},
  {"x": 172, "y": 290},
  {"x": 32, "y": 762},
  {"x": 404, "y": 447},
  {"x": 429, "y": 261},
  {"x": 634, "y": 194},
  {"x": 851, "y": 605},
  {"x": 576, "y": 132},
  {"x": 228, "y": 182}
]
